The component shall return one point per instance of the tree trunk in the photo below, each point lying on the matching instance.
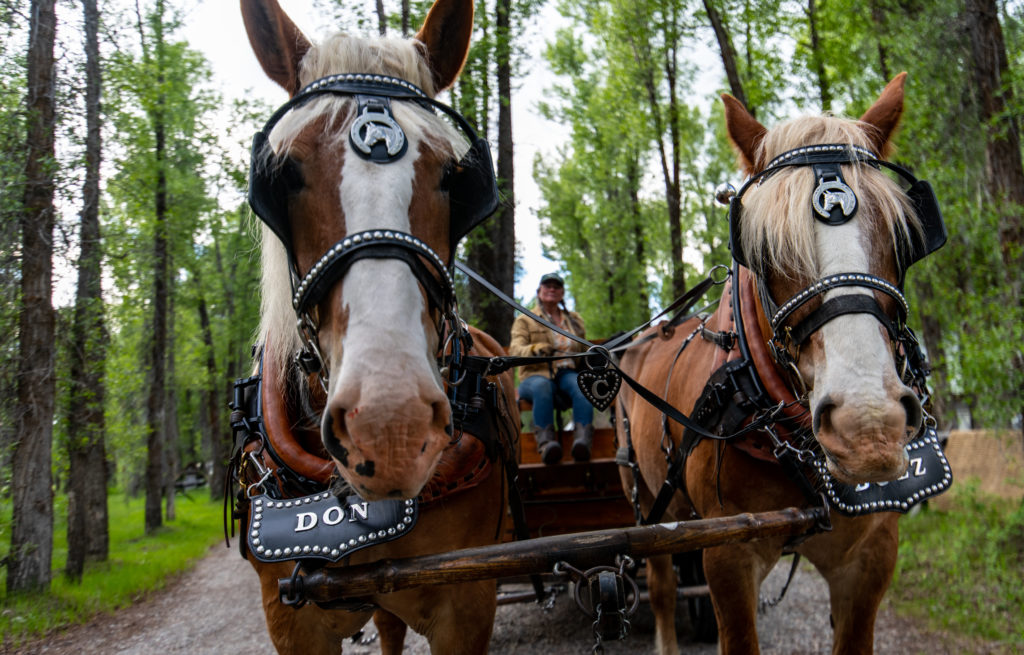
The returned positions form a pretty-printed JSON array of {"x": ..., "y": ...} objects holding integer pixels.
[
  {"x": 211, "y": 402},
  {"x": 87, "y": 531},
  {"x": 28, "y": 565},
  {"x": 728, "y": 52},
  {"x": 633, "y": 176},
  {"x": 382, "y": 19},
  {"x": 931, "y": 338},
  {"x": 171, "y": 437},
  {"x": 878, "y": 17},
  {"x": 405, "y": 18},
  {"x": 818, "y": 58},
  {"x": 155, "y": 404},
  {"x": 675, "y": 217}
]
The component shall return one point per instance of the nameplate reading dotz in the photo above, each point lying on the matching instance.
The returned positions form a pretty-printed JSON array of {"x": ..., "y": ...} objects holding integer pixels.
[
  {"x": 323, "y": 526},
  {"x": 928, "y": 475}
]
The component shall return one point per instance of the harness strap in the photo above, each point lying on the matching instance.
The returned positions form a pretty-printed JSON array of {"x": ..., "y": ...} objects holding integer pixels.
[
  {"x": 836, "y": 307},
  {"x": 681, "y": 304},
  {"x": 379, "y": 244},
  {"x": 864, "y": 280}
]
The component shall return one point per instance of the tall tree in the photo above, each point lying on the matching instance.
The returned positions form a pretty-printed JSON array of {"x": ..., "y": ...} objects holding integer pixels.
[
  {"x": 493, "y": 65},
  {"x": 159, "y": 195},
  {"x": 156, "y": 404},
  {"x": 32, "y": 528},
  {"x": 87, "y": 531},
  {"x": 1003, "y": 167},
  {"x": 491, "y": 250},
  {"x": 653, "y": 31}
]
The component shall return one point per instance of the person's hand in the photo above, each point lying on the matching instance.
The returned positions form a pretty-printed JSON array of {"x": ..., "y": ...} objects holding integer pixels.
[{"x": 542, "y": 349}]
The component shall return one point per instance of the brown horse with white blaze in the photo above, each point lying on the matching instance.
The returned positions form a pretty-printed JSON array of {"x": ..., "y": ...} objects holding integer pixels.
[
  {"x": 825, "y": 350},
  {"x": 361, "y": 185}
]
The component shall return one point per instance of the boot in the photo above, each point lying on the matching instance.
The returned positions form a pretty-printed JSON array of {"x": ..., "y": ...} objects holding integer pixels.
[
  {"x": 547, "y": 445},
  {"x": 582, "y": 442}
]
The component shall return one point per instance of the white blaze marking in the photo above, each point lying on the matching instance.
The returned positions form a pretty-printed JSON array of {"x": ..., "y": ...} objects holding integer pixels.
[
  {"x": 382, "y": 295},
  {"x": 857, "y": 357}
]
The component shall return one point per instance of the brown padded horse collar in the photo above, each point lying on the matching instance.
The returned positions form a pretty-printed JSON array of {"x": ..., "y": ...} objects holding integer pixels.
[{"x": 745, "y": 380}]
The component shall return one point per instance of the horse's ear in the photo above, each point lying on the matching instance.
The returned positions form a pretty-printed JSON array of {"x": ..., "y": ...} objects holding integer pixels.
[
  {"x": 446, "y": 33},
  {"x": 279, "y": 45},
  {"x": 744, "y": 131},
  {"x": 884, "y": 115}
]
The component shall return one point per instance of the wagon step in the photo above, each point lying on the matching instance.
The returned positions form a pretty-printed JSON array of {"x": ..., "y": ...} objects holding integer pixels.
[{"x": 541, "y": 555}]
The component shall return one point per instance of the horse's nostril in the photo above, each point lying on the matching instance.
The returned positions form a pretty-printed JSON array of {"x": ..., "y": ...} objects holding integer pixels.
[
  {"x": 912, "y": 406},
  {"x": 441, "y": 413},
  {"x": 823, "y": 414},
  {"x": 329, "y": 437}
]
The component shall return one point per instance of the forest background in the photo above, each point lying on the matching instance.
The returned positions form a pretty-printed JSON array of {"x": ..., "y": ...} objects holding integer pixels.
[{"x": 121, "y": 161}]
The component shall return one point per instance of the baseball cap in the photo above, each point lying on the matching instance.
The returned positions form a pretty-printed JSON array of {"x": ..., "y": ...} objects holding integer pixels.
[{"x": 552, "y": 277}]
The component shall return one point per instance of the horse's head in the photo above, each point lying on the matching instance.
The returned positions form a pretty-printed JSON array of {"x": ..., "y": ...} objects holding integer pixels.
[
  {"x": 364, "y": 191},
  {"x": 828, "y": 236}
]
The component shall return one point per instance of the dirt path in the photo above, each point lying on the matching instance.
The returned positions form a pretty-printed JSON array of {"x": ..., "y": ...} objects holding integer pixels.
[{"x": 215, "y": 609}]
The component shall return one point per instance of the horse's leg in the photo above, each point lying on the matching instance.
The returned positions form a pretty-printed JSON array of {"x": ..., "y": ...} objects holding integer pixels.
[
  {"x": 734, "y": 575},
  {"x": 306, "y": 631},
  {"x": 455, "y": 619},
  {"x": 391, "y": 630},
  {"x": 857, "y": 559},
  {"x": 661, "y": 583}
]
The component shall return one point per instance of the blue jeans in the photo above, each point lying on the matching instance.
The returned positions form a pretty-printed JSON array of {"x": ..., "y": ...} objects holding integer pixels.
[{"x": 541, "y": 392}]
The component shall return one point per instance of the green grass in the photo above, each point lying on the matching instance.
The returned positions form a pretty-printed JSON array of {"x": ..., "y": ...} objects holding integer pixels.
[
  {"x": 963, "y": 571},
  {"x": 138, "y": 563}
]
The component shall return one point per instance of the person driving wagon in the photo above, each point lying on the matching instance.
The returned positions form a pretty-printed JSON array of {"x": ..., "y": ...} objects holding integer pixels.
[{"x": 542, "y": 382}]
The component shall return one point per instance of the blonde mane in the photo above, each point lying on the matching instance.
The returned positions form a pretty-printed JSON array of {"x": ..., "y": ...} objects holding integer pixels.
[
  {"x": 340, "y": 53},
  {"x": 778, "y": 223}
]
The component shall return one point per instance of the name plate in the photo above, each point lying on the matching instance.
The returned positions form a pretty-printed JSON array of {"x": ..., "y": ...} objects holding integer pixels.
[
  {"x": 928, "y": 475},
  {"x": 323, "y": 526}
]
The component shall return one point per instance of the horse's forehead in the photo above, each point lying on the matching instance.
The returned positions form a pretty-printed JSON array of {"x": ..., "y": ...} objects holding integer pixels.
[{"x": 345, "y": 193}]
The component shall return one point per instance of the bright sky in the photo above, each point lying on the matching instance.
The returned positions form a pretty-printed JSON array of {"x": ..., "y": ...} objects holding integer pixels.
[{"x": 215, "y": 28}]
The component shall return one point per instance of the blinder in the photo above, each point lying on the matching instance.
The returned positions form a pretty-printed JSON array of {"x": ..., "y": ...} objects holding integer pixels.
[
  {"x": 833, "y": 206},
  {"x": 472, "y": 187}
]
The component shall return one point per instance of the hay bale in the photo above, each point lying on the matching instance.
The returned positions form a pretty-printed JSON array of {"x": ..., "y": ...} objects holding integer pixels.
[{"x": 995, "y": 460}]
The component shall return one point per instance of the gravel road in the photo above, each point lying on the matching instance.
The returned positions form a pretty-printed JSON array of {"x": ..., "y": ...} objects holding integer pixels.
[{"x": 215, "y": 609}]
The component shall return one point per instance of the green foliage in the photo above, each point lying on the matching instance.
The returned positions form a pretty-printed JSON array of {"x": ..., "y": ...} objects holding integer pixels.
[
  {"x": 605, "y": 197},
  {"x": 138, "y": 564},
  {"x": 963, "y": 570},
  {"x": 610, "y": 48},
  {"x": 211, "y": 249},
  {"x": 12, "y": 161}
]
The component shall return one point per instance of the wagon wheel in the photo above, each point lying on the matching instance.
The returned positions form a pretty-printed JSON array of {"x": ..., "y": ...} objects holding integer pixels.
[{"x": 702, "y": 613}]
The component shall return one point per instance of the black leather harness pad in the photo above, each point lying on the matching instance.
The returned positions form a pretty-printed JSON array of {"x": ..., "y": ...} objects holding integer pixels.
[
  {"x": 323, "y": 526},
  {"x": 928, "y": 475}
]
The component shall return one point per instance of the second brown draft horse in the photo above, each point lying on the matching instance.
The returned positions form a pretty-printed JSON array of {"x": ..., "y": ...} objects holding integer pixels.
[
  {"x": 814, "y": 311},
  {"x": 363, "y": 438}
]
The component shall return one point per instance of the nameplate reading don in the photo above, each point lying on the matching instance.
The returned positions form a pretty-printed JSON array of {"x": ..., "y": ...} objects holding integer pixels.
[{"x": 323, "y": 526}]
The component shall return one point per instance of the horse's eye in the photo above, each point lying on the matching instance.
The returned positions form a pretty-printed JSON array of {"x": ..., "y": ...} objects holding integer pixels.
[
  {"x": 447, "y": 177},
  {"x": 289, "y": 176}
]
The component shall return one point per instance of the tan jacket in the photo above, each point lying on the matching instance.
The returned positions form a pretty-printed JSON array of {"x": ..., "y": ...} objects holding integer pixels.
[{"x": 530, "y": 338}]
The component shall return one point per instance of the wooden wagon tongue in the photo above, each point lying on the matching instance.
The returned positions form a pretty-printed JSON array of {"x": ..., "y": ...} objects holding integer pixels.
[{"x": 588, "y": 550}]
